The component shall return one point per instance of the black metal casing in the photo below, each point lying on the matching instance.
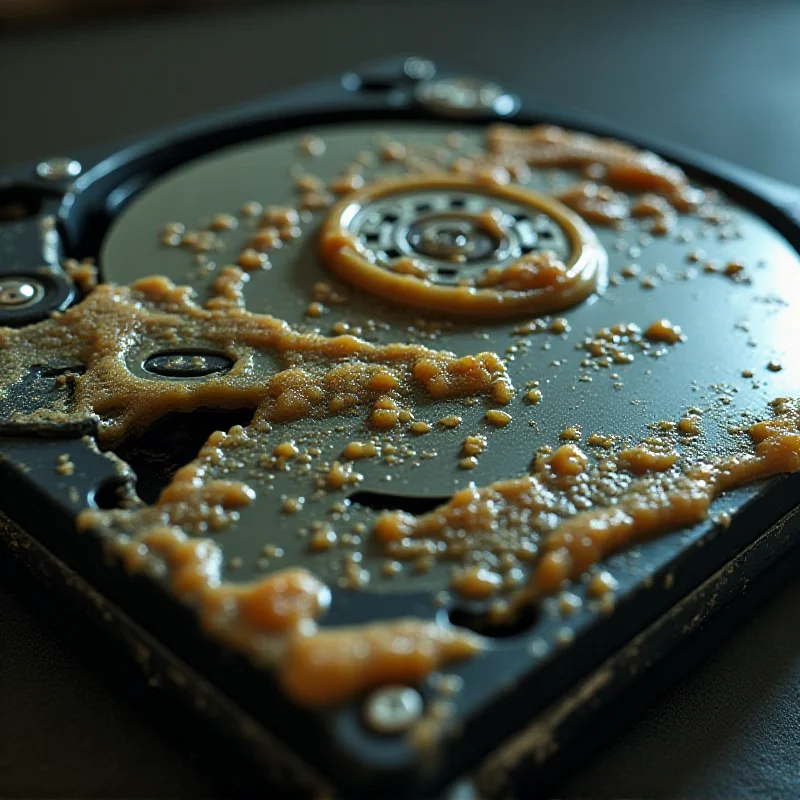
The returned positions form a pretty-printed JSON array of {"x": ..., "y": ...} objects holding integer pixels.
[{"x": 523, "y": 717}]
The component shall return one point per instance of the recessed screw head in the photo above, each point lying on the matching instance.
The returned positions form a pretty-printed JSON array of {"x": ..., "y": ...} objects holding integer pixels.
[
  {"x": 419, "y": 69},
  {"x": 466, "y": 97},
  {"x": 393, "y": 709},
  {"x": 59, "y": 169},
  {"x": 17, "y": 292},
  {"x": 176, "y": 365}
]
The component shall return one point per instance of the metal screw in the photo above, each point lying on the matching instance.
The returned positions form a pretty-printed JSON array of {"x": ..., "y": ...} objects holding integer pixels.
[
  {"x": 419, "y": 69},
  {"x": 466, "y": 97},
  {"x": 187, "y": 364},
  {"x": 351, "y": 81},
  {"x": 20, "y": 292},
  {"x": 393, "y": 709},
  {"x": 59, "y": 169}
]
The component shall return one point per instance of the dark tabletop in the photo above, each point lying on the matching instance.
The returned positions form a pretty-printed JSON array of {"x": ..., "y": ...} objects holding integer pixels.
[{"x": 722, "y": 77}]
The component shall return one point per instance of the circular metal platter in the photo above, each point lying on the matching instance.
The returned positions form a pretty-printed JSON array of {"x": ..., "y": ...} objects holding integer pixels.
[{"x": 731, "y": 328}]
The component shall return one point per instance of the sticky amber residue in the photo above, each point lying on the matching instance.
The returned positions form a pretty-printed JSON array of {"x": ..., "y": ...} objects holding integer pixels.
[
  {"x": 689, "y": 425},
  {"x": 502, "y": 392},
  {"x": 612, "y": 345},
  {"x": 659, "y": 209},
  {"x": 534, "y": 396},
  {"x": 316, "y": 667},
  {"x": 599, "y": 204},
  {"x": 383, "y": 382},
  {"x": 623, "y": 166},
  {"x": 491, "y": 221},
  {"x": 346, "y": 183},
  {"x": 651, "y": 205},
  {"x": 325, "y": 667},
  {"x": 602, "y": 583},
  {"x": 568, "y": 460},
  {"x": 571, "y": 433},
  {"x": 279, "y": 602},
  {"x": 541, "y": 270},
  {"x": 64, "y": 465},
  {"x": 251, "y": 259},
  {"x": 734, "y": 269},
  {"x": 477, "y": 583},
  {"x": 286, "y": 450},
  {"x": 497, "y": 418},
  {"x": 274, "y": 604},
  {"x": 411, "y": 266},
  {"x": 643, "y": 459},
  {"x": 114, "y": 327},
  {"x": 474, "y": 445},
  {"x": 355, "y": 450},
  {"x": 291, "y": 505},
  {"x": 663, "y": 330},
  {"x": 83, "y": 274},
  {"x": 457, "y": 376},
  {"x": 340, "y": 475},
  {"x": 623, "y": 508},
  {"x": 385, "y": 415},
  {"x": 223, "y": 222},
  {"x": 535, "y": 283},
  {"x": 322, "y": 539}
]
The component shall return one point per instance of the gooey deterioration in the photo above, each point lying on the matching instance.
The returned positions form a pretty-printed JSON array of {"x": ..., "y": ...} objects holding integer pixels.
[{"x": 534, "y": 533}]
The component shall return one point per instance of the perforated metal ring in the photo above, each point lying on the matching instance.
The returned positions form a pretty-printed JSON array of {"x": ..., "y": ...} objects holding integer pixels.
[{"x": 433, "y": 242}]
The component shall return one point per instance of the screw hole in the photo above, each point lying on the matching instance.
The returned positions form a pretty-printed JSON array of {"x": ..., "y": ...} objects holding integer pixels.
[
  {"x": 156, "y": 454},
  {"x": 486, "y": 624},
  {"x": 353, "y": 82},
  {"x": 18, "y": 204},
  {"x": 383, "y": 501},
  {"x": 375, "y": 85},
  {"x": 20, "y": 201},
  {"x": 109, "y": 494},
  {"x": 178, "y": 364}
]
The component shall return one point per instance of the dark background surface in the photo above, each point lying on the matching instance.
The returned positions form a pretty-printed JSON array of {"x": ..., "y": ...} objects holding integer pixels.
[{"x": 723, "y": 77}]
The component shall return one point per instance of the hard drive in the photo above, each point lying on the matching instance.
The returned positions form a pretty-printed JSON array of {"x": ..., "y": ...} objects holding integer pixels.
[{"x": 399, "y": 424}]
